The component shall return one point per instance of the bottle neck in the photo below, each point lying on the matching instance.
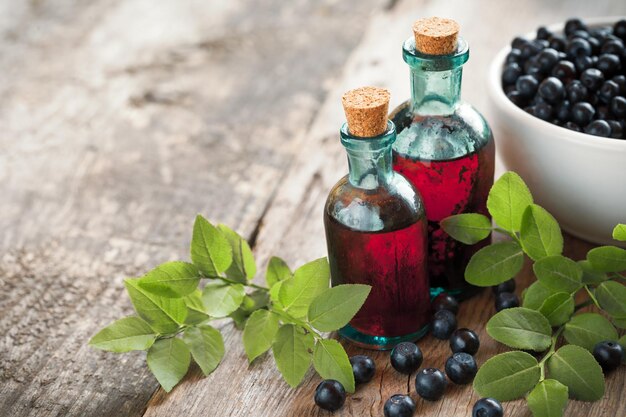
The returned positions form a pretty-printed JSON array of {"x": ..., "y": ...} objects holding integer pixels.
[
  {"x": 369, "y": 159},
  {"x": 435, "y": 92}
]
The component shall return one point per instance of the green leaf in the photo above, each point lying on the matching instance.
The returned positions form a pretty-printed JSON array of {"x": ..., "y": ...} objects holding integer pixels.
[
  {"x": 259, "y": 333},
  {"x": 494, "y": 264},
  {"x": 206, "y": 345},
  {"x": 521, "y": 328},
  {"x": 292, "y": 352},
  {"x": 507, "y": 201},
  {"x": 468, "y": 228},
  {"x": 559, "y": 273},
  {"x": 243, "y": 267},
  {"x": 210, "y": 249},
  {"x": 622, "y": 342},
  {"x": 195, "y": 308},
  {"x": 331, "y": 362},
  {"x": 540, "y": 234},
  {"x": 124, "y": 335},
  {"x": 612, "y": 298},
  {"x": 507, "y": 376},
  {"x": 169, "y": 359},
  {"x": 309, "y": 281},
  {"x": 619, "y": 233},
  {"x": 275, "y": 294},
  {"x": 535, "y": 295},
  {"x": 607, "y": 259},
  {"x": 587, "y": 329},
  {"x": 221, "y": 299},
  {"x": 277, "y": 270},
  {"x": 576, "y": 368},
  {"x": 335, "y": 307},
  {"x": 171, "y": 279},
  {"x": 590, "y": 275},
  {"x": 558, "y": 308},
  {"x": 165, "y": 315},
  {"x": 548, "y": 399},
  {"x": 619, "y": 322},
  {"x": 256, "y": 300}
]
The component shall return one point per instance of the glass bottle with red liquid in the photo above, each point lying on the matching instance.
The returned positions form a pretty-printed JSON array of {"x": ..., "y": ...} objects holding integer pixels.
[
  {"x": 444, "y": 146},
  {"x": 376, "y": 230}
]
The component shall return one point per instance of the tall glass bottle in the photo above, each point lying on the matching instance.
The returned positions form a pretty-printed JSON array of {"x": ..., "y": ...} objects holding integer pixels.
[
  {"x": 444, "y": 146},
  {"x": 376, "y": 232}
]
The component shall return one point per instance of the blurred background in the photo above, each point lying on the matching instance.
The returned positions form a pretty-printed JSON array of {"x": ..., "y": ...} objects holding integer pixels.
[{"x": 121, "y": 120}]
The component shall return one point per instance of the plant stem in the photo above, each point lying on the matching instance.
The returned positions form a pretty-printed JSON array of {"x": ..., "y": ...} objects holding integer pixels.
[
  {"x": 593, "y": 297},
  {"x": 555, "y": 339},
  {"x": 286, "y": 317},
  {"x": 512, "y": 235},
  {"x": 583, "y": 305},
  {"x": 245, "y": 284}
]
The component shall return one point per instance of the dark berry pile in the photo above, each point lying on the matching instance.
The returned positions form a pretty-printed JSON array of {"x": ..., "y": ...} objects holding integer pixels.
[{"x": 576, "y": 80}]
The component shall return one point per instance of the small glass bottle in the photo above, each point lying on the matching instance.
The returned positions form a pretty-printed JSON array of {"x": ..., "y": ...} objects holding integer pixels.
[
  {"x": 444, "y": 146},
  {"x": 376, "y": 230}
]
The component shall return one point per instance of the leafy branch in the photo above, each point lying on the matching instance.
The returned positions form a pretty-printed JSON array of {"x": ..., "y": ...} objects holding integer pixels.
[
  {"x": 548, "y": 313},
  {"x": 176, "y": 301}
]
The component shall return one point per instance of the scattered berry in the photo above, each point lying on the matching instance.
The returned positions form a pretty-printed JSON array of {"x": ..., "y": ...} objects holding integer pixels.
[
  {"x": 506, "y": 286},
  {"x": 406, "y": 357},
  {"x": 487, "y": 407},
  {"x": 506, "y": 300},
  {"x": 461, "y": 368},
  {"x": 399, "y": 406},
  {"x": 444, "y": 323},
  {"x": 363, "y": 368},
  {"x": 330, "y": 395},
  {"x": 430, "y": 384},
  {"x": 464, "y": 340},
  {"x": 445, "y": 302},
  {"x": 609, "y": 355}
]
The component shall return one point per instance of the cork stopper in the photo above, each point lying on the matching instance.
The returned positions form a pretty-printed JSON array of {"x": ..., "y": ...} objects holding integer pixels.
[
  {"x": 366, "y": 111},
  {"x": 435, "y": 35}
]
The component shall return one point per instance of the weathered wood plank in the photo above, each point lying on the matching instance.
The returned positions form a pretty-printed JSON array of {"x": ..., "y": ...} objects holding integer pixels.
[
  {"x": 292, "y": 227},
  {"x": 120, "y": 121}
]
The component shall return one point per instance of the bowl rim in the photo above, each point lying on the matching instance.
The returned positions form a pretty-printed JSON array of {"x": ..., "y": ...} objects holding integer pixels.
[{"x": 502, "y": 101}]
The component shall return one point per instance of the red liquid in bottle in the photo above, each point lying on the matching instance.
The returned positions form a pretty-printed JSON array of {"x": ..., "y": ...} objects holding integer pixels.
[
  {"x": 393, "y": 263},
  {"x": 450, "y": 187}
]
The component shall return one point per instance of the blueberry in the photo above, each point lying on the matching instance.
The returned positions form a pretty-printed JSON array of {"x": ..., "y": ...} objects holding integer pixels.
[
  {"x": 511, "y": 73},
  {"x": 582, "y": 113},
  {"x": 444, "y": 323},
  {"x": 532, "y": 67},
  {"x": 487, "y": 407},
  {"x": 529, "y": 49},
  {"x": 461, "y": 368},
  {"x": 518, "y": 42},
  {"x": 330, "y": 395},
  {"x": 583, "y": 62},
  {"x": 608, "y": 90},
  {"x": 595, "y": 44},
  {"x": 430, "y": 384},
  {"x": 592, "y": 78},
  {"x": 506, "y": 300},
  {"x": 543, "y": 33},
  {"x": 544, "y": 111},
  {"x": 617, "y": 131},
  {"x": 515, "y": 56},
  {"x": 399, "y": 406},
  {"x": 527, "y": 85},
  {"x": 564, "y": 70},
  {"x": 609, "y": 64},
  {"x": 464, "y": 340},
  {"x": 445, "y": 302},
  {"x": 363, "y": 368},
  {"x": 506, "y": 286},
  {"x": 547, "y": 59},
  {"x": 562, "y": 114},
  {"x": 613, "y": 46},
  {"x": 578, "y": 47},
  {"x": 602, "y": 112},
  {"x": 609, "y": 355},
  {"x": 516, "y": 98},
  {"x": 406, "y": 357},
  {"x": 576, "y": 91},
  {"x": 552, "y": 89},
  {"x": 598, "y": 128},
  {"x": 558, "y": 43},
  {"x": 619, "y": 29},
  {"x": 541, "y": 43},
  {"x": 574, "y": 24},
  {"x": 572, "y": 126},
  {"x": 621, "y": 81},
  {"x": 618, "y": 106}
]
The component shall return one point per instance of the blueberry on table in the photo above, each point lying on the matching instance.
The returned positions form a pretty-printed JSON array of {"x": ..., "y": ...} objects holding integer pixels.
[
  {"x": 618, "y": 106},
  {"x": 552, "y": 89},
  {"x": 430, "y": 384},
  {"x": 592, "y": 78},
  {"x": 464, "y": 340},
  {"x": 406, "y": 357},
  {"x": 363, "y": 368},
  {"x": 609, "y": 355},
  {"x": 598, "y": 128},
  {"x": 506, "y": 300},
  {"x": 506, "y": 286},
  {"x": 445, "y": 302},
  {"x": 443, "y": 324},
  {"x": 582, "y": 113},
  {"x": 527, "y": 85},
  {"x": 461, "y": 368},
  {"x": 576, "y": 91},
  {"x": 399, "y": 406},
  {"x": 330, "y": 395},
  {"x": 487, "y": 407}
]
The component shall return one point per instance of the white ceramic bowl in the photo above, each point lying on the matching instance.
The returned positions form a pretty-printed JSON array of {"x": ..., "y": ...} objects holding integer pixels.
[{"x": 579, "y": 178}]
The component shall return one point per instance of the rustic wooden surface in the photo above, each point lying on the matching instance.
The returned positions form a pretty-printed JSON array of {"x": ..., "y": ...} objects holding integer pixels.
[{"x": 121, "y": 120}]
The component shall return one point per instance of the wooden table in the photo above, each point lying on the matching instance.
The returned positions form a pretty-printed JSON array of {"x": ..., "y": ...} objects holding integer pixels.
[{"x": 120, "y": 120}]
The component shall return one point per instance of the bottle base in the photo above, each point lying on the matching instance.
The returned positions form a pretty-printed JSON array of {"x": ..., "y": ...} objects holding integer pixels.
[
  {"x": 461, "y": 294},
  {"x": 378, "y": 342}
]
